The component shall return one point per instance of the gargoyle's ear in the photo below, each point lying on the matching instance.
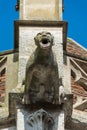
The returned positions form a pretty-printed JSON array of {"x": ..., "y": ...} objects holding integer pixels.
[
  {"x": 36, "y": 40},
  {"x": 52, "y": 40}
]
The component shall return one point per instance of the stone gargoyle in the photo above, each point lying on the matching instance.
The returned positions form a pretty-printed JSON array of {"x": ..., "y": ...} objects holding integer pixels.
[{"x": 42, "y": 79}]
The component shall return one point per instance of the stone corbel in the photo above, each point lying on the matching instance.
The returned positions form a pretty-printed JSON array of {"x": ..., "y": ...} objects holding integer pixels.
[{"x": 40, "y": 120}]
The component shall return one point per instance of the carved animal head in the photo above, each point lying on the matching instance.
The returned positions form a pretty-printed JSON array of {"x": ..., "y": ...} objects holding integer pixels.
[{"x": 44, "y": 40}]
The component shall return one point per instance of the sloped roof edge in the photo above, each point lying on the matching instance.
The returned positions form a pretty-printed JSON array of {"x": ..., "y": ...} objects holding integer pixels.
[
  {"x": 73, "y": 41},
  {"x": 75, "y": 50}
]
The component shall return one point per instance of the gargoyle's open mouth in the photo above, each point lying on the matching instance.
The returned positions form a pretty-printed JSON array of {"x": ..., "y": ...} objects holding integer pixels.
[{"x": 45, "y": 43}]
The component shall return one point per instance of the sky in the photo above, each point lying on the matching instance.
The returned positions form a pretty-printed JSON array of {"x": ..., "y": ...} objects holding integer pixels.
[{"x": 75, "y": 13}]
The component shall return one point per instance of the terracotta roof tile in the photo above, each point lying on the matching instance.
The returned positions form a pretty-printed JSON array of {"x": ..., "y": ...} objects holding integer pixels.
[
  {"x": 74, "y": 48},
  {"x": 78, "y": 89}
]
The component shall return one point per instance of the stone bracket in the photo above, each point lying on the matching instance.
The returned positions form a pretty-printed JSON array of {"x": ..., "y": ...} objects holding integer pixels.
[{"x": 38, "y": 118}]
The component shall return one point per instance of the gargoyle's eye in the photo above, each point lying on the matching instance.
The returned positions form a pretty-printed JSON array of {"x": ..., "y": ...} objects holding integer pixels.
[
  {"x": 39, "y": 34},
  {"x": 48, "y": 34}
]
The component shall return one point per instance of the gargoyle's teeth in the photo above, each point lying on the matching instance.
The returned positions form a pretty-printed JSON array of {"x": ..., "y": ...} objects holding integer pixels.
[{"x": 45, "y": 46}]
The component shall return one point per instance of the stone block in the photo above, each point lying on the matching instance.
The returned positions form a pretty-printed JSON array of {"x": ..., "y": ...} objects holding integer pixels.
[
  {"x": 41, "y": 10},
  {"x": 39, "y": 119}
]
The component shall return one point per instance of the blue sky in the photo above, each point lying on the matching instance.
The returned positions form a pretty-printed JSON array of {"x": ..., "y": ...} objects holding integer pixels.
[
  {"x": 75, "y": 13},
  {"x": 7, "y": 17}
]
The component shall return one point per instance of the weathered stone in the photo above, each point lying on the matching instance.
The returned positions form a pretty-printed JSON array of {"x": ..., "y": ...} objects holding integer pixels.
[
  {"x": 40, "y": 119},
  {"x": 11, "y": 74},
  {"x": 67, "y": 78},
  {"x": 42, "y": 78},
  {"x": 9, "y": 128},
  {"x": 41, "y": 9},
  {"x": 27, "y": 47}
]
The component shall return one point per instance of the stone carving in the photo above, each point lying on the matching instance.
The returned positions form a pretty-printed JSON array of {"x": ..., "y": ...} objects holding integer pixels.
[
  {"x": 42, "y": 79},
  {"x": 40, "y": 120}
]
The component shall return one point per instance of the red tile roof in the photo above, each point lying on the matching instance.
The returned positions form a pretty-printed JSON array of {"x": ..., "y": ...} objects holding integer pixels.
[{"x": 76, "y": 49}]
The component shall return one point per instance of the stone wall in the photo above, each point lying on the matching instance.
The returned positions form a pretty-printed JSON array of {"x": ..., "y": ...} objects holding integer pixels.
[
  {"x": 11, "y": 74},
  {"x": 41, "y": 10}
]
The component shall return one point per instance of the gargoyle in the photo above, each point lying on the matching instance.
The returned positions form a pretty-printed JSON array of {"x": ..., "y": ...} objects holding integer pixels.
[{"x": 42, "y": 79}]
